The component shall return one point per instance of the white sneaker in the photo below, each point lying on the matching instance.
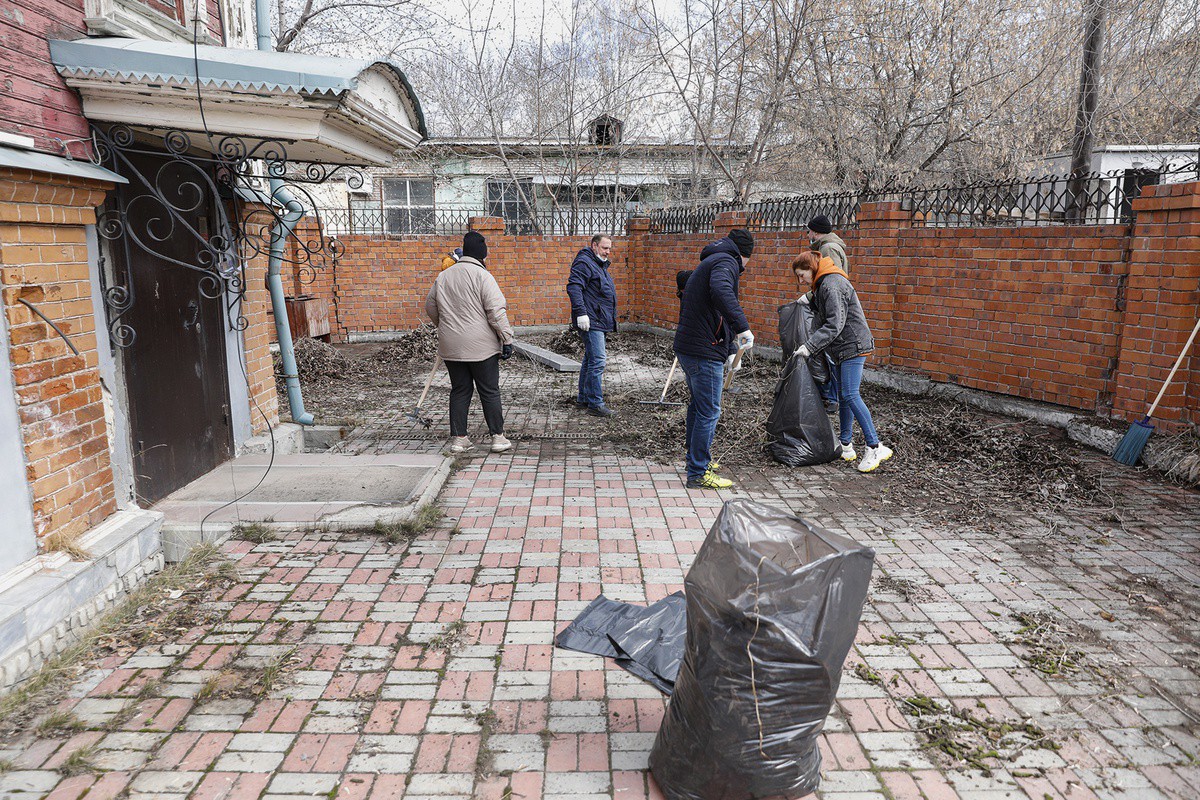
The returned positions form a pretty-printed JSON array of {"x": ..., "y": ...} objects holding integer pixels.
[
  {"x": 499, "y": 443},
  {"x": 873, "y": 457},
  {"x": 459, "y": 444},
  {"x": 848, "y": 453}
]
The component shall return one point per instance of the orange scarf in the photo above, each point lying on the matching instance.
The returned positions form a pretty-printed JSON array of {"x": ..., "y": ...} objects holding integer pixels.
[{"x": 827, "y": 267}]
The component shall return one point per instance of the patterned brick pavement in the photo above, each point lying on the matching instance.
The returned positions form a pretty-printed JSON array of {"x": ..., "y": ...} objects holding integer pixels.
[{"x": 426, "y": 670}]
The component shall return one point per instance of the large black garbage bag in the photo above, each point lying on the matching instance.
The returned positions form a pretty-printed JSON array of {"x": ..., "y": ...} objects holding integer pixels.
[
  {"x": 645, "y": 640},
  {"x": 773, "y": 604},
  {"x": 799, "y": 433}
]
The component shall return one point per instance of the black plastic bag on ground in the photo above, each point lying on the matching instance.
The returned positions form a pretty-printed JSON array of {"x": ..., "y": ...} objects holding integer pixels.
[
  {"x": 799, "y": 432},
  {"x": 646, "y": 641},
  {"x": 773, "y": 605}
]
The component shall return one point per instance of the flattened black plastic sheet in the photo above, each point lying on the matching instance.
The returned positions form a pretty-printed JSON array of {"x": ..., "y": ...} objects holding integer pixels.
[
  {"x": 647, "y": 641},
  {"x": 799, "y": 433},
  {"x": 773, "y": 604}
]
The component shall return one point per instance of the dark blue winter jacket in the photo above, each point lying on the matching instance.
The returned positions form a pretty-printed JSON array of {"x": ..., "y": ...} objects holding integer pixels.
[
  {"x": 710, "y": 315},
  {"x": 592, "y": 291}
]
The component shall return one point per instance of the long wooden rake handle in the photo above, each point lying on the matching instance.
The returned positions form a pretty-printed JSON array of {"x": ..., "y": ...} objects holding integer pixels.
[
  {"x": 1174, "y": 369},
  {"x": 437, "y": 361},
  {"x": 737, "y": 359},
  {"x": 670, "y": 375}
]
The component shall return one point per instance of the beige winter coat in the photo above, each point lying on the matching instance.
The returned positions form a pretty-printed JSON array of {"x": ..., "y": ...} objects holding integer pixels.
[{"x": 470, "y": 312}]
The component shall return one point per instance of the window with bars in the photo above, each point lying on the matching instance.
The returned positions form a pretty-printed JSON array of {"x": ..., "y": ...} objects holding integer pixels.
[
  {"x": 504, "y": 199},
  {"x": 408, "y": 205}
]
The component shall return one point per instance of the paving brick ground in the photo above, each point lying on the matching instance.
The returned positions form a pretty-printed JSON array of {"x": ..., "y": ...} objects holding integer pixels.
[{"x": 427, "y": 671}]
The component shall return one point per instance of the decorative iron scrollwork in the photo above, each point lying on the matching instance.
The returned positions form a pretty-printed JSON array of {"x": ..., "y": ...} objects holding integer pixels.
[{"x": 239, "y": 186}]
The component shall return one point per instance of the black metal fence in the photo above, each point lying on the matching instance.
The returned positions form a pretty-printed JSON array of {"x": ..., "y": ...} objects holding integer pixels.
[
  {"x": 1091, "y": 199},
  {"x": 455, "y": 221},
  {"x": 688, "y": 219}
]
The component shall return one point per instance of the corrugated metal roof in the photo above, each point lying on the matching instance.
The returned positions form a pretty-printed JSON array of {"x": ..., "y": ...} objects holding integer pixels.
[
  {"x": 144, "y": 59},
  {"x": 228, "y": 68}
]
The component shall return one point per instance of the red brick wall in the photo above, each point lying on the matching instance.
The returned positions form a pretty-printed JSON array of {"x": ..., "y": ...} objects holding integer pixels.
[
  {"x": 1162, "y": 303},
  {"x": 381, "y": 284},
  {"x": 34, "y": 101},
  {"x": 44, "y": 260}
]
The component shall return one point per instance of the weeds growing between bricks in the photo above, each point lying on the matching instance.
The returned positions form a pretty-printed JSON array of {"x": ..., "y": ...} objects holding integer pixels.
[{"x": 157, "y": 607}]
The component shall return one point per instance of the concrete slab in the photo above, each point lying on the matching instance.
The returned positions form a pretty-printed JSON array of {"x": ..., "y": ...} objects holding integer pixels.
[
  {"x": 331, "y": 490},
  {"x": 548, "y": 357}
]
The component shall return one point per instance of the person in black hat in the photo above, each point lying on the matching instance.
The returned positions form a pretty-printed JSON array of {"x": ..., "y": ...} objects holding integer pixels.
[
  {"x": 712, "y": 328},
  {"x": 474, "y": 336},
  {"x": 823, "y": 240}
]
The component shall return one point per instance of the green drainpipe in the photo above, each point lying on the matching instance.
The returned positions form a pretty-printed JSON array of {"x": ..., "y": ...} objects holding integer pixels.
[{"x": 293, "y": 212}]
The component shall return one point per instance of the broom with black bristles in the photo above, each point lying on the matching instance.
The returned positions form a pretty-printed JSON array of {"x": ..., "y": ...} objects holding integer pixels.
[{"x": 1130, "y": 449}]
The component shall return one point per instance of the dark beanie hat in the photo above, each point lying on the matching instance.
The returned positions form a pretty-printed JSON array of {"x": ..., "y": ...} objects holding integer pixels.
[
  {"x": 474, "y": 246},
  {"x": 820, "y": 224},
  {"x": 743, "y": 240}
]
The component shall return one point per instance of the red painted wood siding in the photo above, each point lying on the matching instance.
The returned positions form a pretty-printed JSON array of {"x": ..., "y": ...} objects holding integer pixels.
[{"x": 34, "y": 101}]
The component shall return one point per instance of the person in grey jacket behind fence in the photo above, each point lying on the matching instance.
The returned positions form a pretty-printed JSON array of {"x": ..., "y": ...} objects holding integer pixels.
[
  {"x": 823, "y": 240},
  {"x": 471, "y": 316},
  {"x": 840, "y": 332}
]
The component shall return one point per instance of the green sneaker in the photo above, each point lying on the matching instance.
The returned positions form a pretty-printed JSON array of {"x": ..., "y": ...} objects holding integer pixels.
[
  {"x": 714, "y": 466},
  {"x": 710, "y": 480}
]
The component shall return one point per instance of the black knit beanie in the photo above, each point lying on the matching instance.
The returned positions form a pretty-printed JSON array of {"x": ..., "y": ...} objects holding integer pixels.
[
  {"x": 474, "y": 246},
  {"x": 820, "y": 224},
  {"x": 743, "y": 240}
]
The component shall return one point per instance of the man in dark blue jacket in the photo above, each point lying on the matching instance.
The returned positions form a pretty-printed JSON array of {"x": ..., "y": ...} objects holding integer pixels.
[
  {"x": 593, "y": 313},
  {"x": 712, "y": 327}
]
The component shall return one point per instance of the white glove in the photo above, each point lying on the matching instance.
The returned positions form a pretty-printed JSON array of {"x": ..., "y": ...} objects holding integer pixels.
[
  {"x": 745, "y": 340},
  {"x": 803, "y": 299},
  {"x": 583, "y": 323},
  {"x": 729, "y": 365},
  {"x": 803, "y": 352}
]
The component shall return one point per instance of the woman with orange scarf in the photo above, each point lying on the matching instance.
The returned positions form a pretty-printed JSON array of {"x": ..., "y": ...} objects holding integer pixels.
[{"x": 841, "y": 331}]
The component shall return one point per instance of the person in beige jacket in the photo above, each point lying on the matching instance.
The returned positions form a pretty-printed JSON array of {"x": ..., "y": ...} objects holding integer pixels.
[{"x": 470, "y": 313}]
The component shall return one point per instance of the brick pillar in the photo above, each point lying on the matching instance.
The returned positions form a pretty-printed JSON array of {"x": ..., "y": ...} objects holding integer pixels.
[
  {"x": 44, "y": 261},
  {"x": 634, "y": 299},
  {"x": 728, "y": 220},
  {"x": 874, "y": 269},
  {"x": 1162, "y": 299},
  {"x": 488, "y": 226}
]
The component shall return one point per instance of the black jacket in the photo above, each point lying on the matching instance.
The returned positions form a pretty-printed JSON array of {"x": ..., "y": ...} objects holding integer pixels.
[
  {"x": 710, "y": 315},
  {"x": 592, "y": 291},
  {"x": 840, "y": 326}
]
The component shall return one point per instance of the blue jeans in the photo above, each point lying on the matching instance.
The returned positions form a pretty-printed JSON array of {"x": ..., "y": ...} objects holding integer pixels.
[
  {"x": 848, "y": 377},
  {"x": 705, "y": 380},
  {"x": 591, "y": 370}
]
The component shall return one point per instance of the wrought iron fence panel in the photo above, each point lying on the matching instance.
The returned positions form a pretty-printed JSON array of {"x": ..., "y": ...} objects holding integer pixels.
[
  {"x": 688, "y": 219},
  {"x": 397, "y": 221},
  {"x": 793, "y": 213}
]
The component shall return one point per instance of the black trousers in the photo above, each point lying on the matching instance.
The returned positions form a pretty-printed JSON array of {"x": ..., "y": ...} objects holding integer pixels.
[{"x": 465, "y": 378}]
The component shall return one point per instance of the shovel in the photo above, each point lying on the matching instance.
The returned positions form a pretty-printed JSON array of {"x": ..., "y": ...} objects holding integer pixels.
[
  {"x": 662, "y": 400},
  {"x": 418, "y": 414}
]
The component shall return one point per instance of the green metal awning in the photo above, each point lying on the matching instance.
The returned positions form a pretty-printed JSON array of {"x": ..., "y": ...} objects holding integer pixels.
[{"x": 334, "y": 110}]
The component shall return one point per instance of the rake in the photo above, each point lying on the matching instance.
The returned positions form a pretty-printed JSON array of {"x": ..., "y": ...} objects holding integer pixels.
[
  {"x": 662, "y": 400},
  {"x": 1130, "y": 449},
  {"x": 418, "y": 414}
]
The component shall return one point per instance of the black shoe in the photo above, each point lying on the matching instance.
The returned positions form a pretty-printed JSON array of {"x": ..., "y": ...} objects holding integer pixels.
[
  {"x": 600, "y": 411},
  {"x": 580, "y": 404}
]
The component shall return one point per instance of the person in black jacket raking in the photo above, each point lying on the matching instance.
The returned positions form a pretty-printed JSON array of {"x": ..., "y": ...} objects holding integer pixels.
[
  {"x": 594, "y": 314},
  {"x": 712, "y": 326}
]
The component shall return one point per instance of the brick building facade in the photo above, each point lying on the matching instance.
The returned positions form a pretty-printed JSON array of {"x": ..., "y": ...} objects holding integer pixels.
[{"x": 136, "y": 324}]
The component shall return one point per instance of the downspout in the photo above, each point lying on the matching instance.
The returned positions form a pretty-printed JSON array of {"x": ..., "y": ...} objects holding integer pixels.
[{"x": 293, "y": 212}]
